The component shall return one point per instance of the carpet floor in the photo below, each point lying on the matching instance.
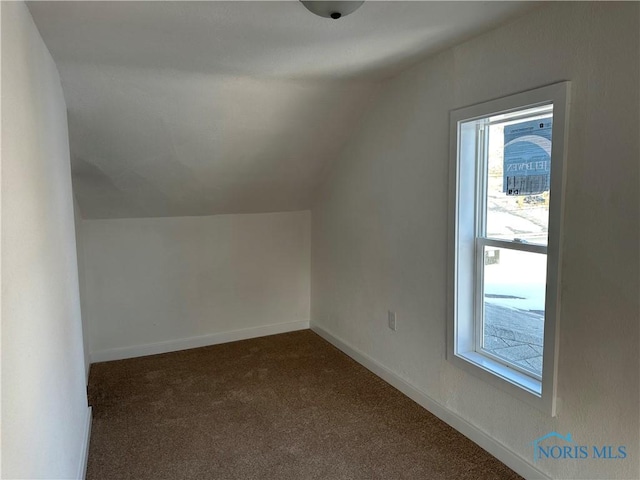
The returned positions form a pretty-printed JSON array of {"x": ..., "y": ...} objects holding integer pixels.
[{"x": 287, "y": 406}]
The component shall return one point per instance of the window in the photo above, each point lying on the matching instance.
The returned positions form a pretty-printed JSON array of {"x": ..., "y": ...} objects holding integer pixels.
[{"x": 506, "y": 195}]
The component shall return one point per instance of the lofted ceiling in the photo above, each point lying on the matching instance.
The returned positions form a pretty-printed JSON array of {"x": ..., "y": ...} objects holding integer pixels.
[{"x": 202, "y": 108}]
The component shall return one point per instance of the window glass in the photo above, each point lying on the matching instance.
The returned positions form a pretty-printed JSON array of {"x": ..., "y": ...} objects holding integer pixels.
[
  {"x": 518, "y": 173},
  {"x": 513, "y": 306}
]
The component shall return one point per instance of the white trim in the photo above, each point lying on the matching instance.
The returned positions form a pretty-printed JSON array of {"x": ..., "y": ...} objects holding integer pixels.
[
  {"x": 512, "y": 245},
  {"x": 473, "y": 433},
  {"x": 460, "y": 317},
  {"x": 84, "y": 453},
  {"x": 196, "y": 342},
  {"x": 506, "y": 372}
]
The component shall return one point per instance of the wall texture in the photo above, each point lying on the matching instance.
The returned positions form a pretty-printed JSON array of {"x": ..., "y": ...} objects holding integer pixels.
[
  {"x": 44, "y": 406},
  {"x": 379, "y": 229},
  {"x": 160, "y": 284}
]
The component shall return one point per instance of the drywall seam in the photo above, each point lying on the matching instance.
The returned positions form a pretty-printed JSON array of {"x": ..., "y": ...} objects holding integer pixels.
[
  {"x": 84, "y": 455},
  {"x": 495, "y": 448},
  {"x": 195, "y": 342}
]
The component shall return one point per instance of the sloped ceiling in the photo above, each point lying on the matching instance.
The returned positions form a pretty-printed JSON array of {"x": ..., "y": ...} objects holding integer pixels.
[{"x": 201, "y": 108}]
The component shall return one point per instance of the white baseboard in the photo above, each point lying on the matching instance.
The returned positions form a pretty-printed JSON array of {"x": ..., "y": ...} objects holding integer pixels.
[
  {"x": 495, "y": 448},
  {"x": 84, "y": 453},
  {"x": 196, "y": 342}
]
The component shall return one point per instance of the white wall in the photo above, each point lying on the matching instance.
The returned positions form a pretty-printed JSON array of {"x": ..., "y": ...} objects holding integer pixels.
[
  {"x": 161, "y": 284},
  {"x": 77, "y": 217},
  {"x": 379, "y": 229},
  {"x": 44, "y": 406}
]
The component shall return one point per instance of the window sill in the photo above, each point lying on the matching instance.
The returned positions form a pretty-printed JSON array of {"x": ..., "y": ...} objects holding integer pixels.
[{"x": 501, "y": 371}]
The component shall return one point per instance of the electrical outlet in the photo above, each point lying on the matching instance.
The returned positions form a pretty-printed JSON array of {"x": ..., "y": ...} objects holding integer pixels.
[{"x": 392, "y": 320}]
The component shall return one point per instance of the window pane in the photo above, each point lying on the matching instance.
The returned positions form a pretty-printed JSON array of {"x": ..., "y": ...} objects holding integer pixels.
[
  {"x": 513, "y": 304},
  {"x": 518, "y": 173}
]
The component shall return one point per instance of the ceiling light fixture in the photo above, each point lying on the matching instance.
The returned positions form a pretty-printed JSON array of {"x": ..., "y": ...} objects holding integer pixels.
[{"x": 331, "y": 9}]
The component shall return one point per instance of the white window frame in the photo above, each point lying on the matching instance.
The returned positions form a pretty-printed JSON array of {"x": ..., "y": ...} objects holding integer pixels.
[{"x": 462, "y": 328}]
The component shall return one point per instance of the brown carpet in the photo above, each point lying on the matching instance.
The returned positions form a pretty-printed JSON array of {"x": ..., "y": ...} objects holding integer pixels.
[{"x": 287, "y": 406}]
